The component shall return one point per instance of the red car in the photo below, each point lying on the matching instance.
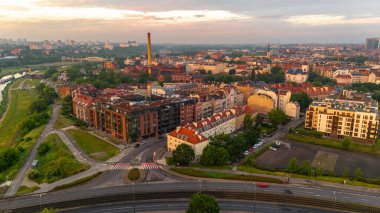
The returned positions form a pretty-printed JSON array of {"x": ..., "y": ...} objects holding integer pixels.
[
  {"x": 262, "y": 185},
  {"x": 251, "y": 149}
]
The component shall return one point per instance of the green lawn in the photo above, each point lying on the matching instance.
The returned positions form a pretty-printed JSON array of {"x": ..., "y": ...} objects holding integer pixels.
[
  {"x": 25, "y": 190},
  {"x": 319, "y": 178},
  {"x": 220, "y": 175},
  {"x": 58, "y": 162},
  {"x": 334, "y": 143},
  {"x": 93, "y": 146},
  {"x": 13, "y": 70},
  {"x": 17, "y": 113},
  {"x": 62, "y": 122}
]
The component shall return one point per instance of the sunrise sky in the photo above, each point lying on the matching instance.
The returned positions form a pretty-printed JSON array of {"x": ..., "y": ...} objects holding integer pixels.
[{"x": 192, "y": 21}]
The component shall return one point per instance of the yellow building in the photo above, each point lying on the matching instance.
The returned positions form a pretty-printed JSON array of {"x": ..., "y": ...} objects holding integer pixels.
[{"x": 348, "y": 114}]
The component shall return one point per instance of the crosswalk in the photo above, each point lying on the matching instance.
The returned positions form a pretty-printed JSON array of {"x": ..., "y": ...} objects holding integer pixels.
[{"x": 126, "y": 166}]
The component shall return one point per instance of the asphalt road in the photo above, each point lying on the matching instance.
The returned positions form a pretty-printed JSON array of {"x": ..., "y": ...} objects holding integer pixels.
[
  {"x": 16, "y": 183},
  {"x": 321, "y": 192},
  {"x": 181, "y": 205}
]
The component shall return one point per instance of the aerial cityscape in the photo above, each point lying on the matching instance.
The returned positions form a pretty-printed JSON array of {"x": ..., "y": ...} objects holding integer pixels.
[{"x": 172, "y": 106}]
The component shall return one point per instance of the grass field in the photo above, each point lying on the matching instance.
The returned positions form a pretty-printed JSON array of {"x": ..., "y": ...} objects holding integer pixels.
[
  {"x": 58, "y": 162},
  {"x": 93, "y": 146},
  {"x": 25, "y": 190},
  {"x": 62, "y": 122},
  {"x": 17, "y": 113},
  {"x": 220, "y": 175},
  {"x": 319, "y": 178},
  {"x": 334, "y": 143}
]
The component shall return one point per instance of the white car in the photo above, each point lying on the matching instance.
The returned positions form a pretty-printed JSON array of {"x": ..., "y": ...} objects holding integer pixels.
[
  {"x": 278, "y": 143},
  {"x": 255, "y": 146},
  {"x": 261, "y": 143},
  {"x": 272, "y": 148},
  {"x": 246, "y": 153}
]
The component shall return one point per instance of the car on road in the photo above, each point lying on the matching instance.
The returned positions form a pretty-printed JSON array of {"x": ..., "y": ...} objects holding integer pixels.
[
  {"x": 262, "y": 185},
  {"x": 137, "y": 145},
  {"x": 272, "y": 148},
  {"x": 142, "y": 142},
  {"x": 246, "y": 152}
]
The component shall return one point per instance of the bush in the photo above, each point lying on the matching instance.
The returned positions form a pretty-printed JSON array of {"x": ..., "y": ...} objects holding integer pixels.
[
  {"x": 43, "y": 148},
  {"x": 358, "y": 173},
  {"x": 169, "y": 161},
  {"x": 8, "y": 158},
  {"x": 183, "y": 154},
  {"x": 134, "y": 174},
  {"x": 33, "y": 174}
]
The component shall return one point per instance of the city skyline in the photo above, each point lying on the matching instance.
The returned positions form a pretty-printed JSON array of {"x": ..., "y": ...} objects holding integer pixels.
[{"x": 238, "y": 22}]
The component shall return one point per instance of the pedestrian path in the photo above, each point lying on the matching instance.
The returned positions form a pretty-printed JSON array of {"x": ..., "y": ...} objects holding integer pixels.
[{"x": 126, "y": 166}]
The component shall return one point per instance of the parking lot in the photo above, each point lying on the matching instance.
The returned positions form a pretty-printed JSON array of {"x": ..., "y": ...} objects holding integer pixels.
[{"x": 334, "y": 159}]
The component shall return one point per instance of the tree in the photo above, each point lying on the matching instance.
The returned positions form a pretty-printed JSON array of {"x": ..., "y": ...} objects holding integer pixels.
[
  {"x": 247, "y": 122},
  {"x": 293, "y": 166},
  {"x": 8, "y": 158},
  {"x": 183, "y": 155},
  {"x": 214, "y": 156},
  {"x": 346, "y": 143},
  {"x": 236, "y": 146},
  {"x": 232, "y": 72},
  {"x": 50, "y": 72},
  {"x": 252, "y": 136},
  {"x": 346, "y": 172},
  {"x": 302, "y": 98},
  {"x": 306, "y": 168},
  {"x": 201, "y": 203},
  {"x": 33, "y": 174},
  {"x": 358, "y": 174},
  {"x": 277, "y": 116},
  {"x": 43, "y": 148}
]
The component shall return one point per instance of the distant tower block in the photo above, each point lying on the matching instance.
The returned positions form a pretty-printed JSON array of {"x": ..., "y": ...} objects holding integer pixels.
[{"x": 149, "y": 56}]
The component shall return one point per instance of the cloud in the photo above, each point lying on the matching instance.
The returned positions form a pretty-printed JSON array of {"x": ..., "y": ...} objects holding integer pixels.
[
  {"x": 321, "y": 19},
  {"x": 34, "y": 11}
]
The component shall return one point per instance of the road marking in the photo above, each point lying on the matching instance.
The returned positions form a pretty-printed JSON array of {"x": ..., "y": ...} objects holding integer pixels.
[{"x": 126, "y": 166}]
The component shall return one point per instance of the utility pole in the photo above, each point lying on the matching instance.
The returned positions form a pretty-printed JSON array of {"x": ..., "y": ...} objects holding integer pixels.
[{"x": 133, "y": 196}]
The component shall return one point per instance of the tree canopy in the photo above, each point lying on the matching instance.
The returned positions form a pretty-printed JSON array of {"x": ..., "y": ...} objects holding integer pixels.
[
  {"x": 277, "y": 116},
  {"x": 183, "y": 154},
  {"x": 303, "y": 99},
  {"x": 202, "y": 203},
  {"x": 214, "y": 156}
]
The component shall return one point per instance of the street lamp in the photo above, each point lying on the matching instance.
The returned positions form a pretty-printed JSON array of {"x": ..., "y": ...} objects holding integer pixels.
[
  {"x": 40, "y": 201},
  {"x": 133, "y": 196},
  {"x": 200, "y": 185},
  {"x": 254, "y": 198},
  {"x": 334, "y": 198}
]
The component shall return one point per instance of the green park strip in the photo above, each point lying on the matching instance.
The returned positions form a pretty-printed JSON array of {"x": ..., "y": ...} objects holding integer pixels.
[
  {"x": 17, "y": 113},
  {"x": 331, "y": 179},
  {"x": 62, "y": 122},
  {"x": 4, "y": 100},
  {"x": 19, "y": 69},
  {"x": 26, "y": 190},
  {"x": 26, "y": 146},
  {"x": 334, "y": 143},
  {"x": 55, "y": 161},
  {"x": 93, "y": 146},
  {"x": 77, "y": 182},
  {"x": 226, "y": 176}
]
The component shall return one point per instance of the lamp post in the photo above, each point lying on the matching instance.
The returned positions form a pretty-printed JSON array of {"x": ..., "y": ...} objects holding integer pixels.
[
  {"x": 334, "y": 199},
  {"x": 133, "y": 196},
  {"x": 40, "y": 201},
  {"x": 200, "y": 185},
  {"x": 254, "y": 198}
]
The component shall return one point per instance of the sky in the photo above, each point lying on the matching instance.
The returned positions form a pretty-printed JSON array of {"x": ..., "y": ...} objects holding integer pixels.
[{"x": 192, "y": 21}]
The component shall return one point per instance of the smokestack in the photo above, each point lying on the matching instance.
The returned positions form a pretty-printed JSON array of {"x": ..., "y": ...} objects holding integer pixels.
[{"x": 149, "y": 56}]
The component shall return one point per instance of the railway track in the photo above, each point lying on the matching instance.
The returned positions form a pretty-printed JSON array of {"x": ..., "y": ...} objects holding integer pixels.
[{"x": 232, "y": 195}]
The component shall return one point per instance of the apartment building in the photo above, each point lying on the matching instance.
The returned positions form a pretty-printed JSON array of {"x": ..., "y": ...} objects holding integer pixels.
[
  {"x": 347, "y": 114},
  {"x": 196, "y": 134}
]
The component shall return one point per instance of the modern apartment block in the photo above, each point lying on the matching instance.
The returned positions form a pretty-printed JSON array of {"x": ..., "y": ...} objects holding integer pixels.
[
  {"x": 196, "y": 134},
  {"x": 347, "y": 114},
  {"x": 129, "y": 117}
]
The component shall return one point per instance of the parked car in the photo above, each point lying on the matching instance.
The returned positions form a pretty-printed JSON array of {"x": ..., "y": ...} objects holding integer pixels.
[
  {"x": 251, "y": 149},
  {"x": 262, "y": 185},
  {"x": 137, "y": 145},
  {"x": 255, "y": 146},
  {"x": 272, "y": 148},
  {"x": 142, "y": 142},
  {"x": 261, "y": 143},
  {"x": 246, "y": 153}
]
